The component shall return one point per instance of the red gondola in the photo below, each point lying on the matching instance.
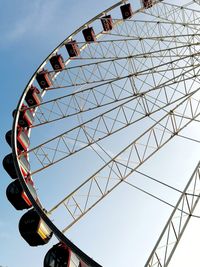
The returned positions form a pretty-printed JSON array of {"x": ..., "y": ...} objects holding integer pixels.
[
  {"x": 72, "y": 48},
  {"x": 25, "y": 117},
  {"x": 126, "y": 11},
  {"x": 60, "y": 255},
  {"x": 33, "y": 229},
  {"x": 24, "y": 165},
  {"x": 107, "y": 23},
  {"x": 57, "y": 62},
  {"x": 33, "y": 97},
  {"x": 147, "y": 3},
  {"x": 43, "y": 79},
  {"x": 18, "y": 197},
  {"x": 89, "y": 34},
  {"x": 22, "y": 139}
]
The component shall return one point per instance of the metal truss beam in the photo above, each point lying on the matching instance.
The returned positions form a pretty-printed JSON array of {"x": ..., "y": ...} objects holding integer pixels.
[
  {"x": 101, "y": 183},
  {"x": 175, "y": 226}
]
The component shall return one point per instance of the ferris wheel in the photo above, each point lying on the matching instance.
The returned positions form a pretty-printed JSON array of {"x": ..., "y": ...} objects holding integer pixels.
[{"x": 103, "y": 103}]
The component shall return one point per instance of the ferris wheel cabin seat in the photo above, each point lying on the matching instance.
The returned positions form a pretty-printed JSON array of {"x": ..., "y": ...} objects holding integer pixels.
[
  {"x": 8, "y": 165},
  {"x": 17, "y": 196},
  {"x": 126, "y": 11},
  {"x": 147, "y": 3},
  {"x": 8, "y": 137},
  {"x": 44, "y": 80},
  {"x": 33, "y": 96},
  {"x": 61, "y": 256},
  {"x": 22, "y": 139},
  {"x": 33, "y": 229},
  {"x": 89, "y": 35},
  {"x": 57, "y": 62},
  {"x": 25, "y": 117},
  {"x": 107, "y": 23},
  {"x": 72, "y": 48}
]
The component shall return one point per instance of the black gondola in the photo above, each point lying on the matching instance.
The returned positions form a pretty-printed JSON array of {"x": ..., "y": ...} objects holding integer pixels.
[
  {"x": 89, "y": 34},
  {"x": 57, "y": 62},
  {"x": 22, "y": 138},
  {"x": 72, "y": 48},
  {"x": 14, "y": 112},
  {"x": 9, "y": 166},
  {"x": 33, "y": 96},
  {"x": 33, "y": 229},
  {"x": 8, "y": 137},
  {"x": 57, "y": 256},
  {"x": 126, "y": 11},
  {"x": 61, "y": 256},
  {"x": 44, "y": 80},
  {"x": 18, "y": 197},
  {"x": 107, "y": 23}
]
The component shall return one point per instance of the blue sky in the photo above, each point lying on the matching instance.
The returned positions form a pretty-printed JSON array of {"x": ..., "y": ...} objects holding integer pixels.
[{"x": 29, "y": 32}]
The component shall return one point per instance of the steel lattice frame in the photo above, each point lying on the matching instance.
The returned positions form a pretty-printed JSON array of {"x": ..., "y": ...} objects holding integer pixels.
[
  {"x": 145, "y": 69},
  {"x": 171, "y": 235}
]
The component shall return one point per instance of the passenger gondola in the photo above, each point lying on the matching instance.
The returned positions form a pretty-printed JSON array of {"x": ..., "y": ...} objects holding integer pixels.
[
  {"x": 147, "y": 3},
  {"x": 8, "y": 164},
  {"x": 89, "y": 35},
  {"x": 44, "y": 80},
  {"x": 14, "y": 113},
  {"x": 33, "y": 229},
  {"x": 8, "y": 137},
  {"x": 24, "y": 165},
  {"x": 72, "y": 48},
  {"x": 22, "y": 139},
  {"x": 33, "y": 97},
  {"x": 126, "y": 11},
  {"x": 61, "y": 256},
  {"x": 17, "y": 197},
  {"x": 107, "y": 23},
  {"x": 57, "y": 62},
  {"x": 25, "y": 117}
]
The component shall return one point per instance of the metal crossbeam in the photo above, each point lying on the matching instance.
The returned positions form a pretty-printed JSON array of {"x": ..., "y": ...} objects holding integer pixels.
[
  {"x": 106, "y": 124},
  {"x": 175, "y": 226},
  {"x": 94, "y": 189},
  {"x": 107, "y": 92},
  {"x": 174, "y": 13}
]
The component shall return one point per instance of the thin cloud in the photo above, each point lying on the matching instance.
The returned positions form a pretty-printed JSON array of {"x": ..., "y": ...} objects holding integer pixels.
[{"x": 34, "y": 18}]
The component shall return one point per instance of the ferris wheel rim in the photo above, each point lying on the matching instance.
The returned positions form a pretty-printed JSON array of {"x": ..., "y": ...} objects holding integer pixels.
[
  {"x": 14, "y": 142},
  {"x": 37, "y": 207}
]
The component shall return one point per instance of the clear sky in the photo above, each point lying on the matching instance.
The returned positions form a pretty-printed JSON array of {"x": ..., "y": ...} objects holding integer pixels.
[{"x": 116, "y": 233}]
